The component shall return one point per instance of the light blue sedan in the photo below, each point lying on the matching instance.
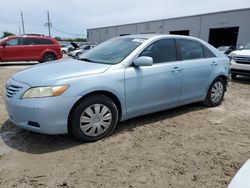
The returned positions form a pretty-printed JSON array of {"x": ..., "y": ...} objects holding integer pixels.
[{"x": 117, "y": 80}]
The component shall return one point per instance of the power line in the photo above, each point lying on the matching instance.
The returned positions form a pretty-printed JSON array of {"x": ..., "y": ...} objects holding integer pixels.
[{"x": 68, "y": 33}]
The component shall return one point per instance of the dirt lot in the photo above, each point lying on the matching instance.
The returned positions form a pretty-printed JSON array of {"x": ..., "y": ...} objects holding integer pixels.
[{"x": 190, "y": 146}]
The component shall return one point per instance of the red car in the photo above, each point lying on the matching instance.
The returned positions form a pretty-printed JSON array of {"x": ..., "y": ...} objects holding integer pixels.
[{"x": 29, "y": 48}]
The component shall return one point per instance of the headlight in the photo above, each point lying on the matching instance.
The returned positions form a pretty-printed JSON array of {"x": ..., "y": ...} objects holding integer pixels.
[
  {"x": 232, "y": 56},
  {"x": 46, "y": 91}
]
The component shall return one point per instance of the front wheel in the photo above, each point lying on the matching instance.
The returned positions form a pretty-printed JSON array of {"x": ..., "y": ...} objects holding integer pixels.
[
  {"x": 93, "y": 119},
  {"x": 78, "y": 55},
  {"x": 215, "y": 93}
]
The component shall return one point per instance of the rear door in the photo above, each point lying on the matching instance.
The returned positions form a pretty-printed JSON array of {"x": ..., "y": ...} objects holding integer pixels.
[
  {"x": 198, "y": 65},
  {"x": 32, "y": 48},
  {"x": 12, "y": 51}
]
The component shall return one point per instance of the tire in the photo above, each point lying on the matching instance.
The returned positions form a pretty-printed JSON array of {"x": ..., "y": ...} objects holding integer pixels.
[
  {"x": 233, "y": 76},
  {"x": 78, "y": 54},
  {"x": 48, "y": 57},
  {"x": 86, "y": 121},
  {"x": 215, "y": 93},
  {"x": 63, "y": 51}
]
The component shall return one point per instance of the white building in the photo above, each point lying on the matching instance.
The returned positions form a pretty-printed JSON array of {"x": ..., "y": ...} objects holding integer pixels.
[{"x": 219, "y": 28}]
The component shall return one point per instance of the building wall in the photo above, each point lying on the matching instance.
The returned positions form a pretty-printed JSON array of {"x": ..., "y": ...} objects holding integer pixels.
[
  {"x": 228, "y": 19},
  {"x": 150, "y": 27},
  {"x": 198, "y": 26},
  {"x": 126, "y": 29},
  {"x": 190, "y": 23}
]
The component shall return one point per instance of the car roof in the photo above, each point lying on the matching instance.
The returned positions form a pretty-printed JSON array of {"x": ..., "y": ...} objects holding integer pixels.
[
  {"x": 30, "y": 36},
  {"x": 151, "y": 36}
]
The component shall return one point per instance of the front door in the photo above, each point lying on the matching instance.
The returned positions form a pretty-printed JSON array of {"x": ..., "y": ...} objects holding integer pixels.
[
  {"x": 151, "y": 88},
  {"x": 12, "y": 51}
]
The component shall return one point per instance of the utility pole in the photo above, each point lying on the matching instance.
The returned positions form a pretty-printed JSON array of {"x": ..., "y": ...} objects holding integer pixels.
[
  {"x": 48, "y": 24},
  {"x": 19, "y": 30},
  {"x": 22, "y": 22}
]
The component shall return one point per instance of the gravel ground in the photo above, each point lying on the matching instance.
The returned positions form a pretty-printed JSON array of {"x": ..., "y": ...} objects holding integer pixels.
[{"x": 189, "y": 146}]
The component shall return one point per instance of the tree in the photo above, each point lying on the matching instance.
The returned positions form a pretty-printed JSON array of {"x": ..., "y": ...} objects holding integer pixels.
[
  {"x": 58, "y": 38},
  {"x": 6, "y": 34}
]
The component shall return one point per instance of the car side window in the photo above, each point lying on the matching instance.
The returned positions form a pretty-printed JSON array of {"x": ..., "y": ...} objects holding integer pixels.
[
  {"x": 46, "y": 41},
  {"x": 208, "y": 53},
  {"x": 190, "y": 49},
  {"x": 13, "y": 42},
  {"x": 31, "y": 41},
  {"x": 163, "y": 50},
  {"x": 87, "y": 48}
]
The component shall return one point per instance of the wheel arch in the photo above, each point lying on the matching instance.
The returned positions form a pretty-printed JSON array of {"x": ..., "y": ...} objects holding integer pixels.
[
  {"x": 222, "y": 76},
  {"x": 108, "y": 94},
  {"x": 48, "y": 51}
]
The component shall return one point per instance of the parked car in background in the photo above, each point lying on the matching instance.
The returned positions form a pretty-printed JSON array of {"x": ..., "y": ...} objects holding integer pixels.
[
  {"x": 122, "y": 78},
  {"x": 226, "y": 49},
  {"x": 29, "y": 48},
  {"x": 240, "y": 62},
  {"x": 82, "y": 49},
  {"x": 66, "y": 48},
  {"x": 241, "y": 179}
]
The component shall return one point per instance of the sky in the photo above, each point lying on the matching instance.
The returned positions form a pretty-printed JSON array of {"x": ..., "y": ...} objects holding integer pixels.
[{"x": 71, "y": 18}]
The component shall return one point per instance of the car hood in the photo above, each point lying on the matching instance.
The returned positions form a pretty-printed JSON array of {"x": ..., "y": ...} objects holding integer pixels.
[
  {"x": 58, "y": 71},
  {"x": 74, "y": 45},
  {"x": 241, "y": 52}
]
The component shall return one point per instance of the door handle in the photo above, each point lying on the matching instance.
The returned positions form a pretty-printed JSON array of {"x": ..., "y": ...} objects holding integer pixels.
[
  {"x": 214, "y": 63},
  {"x": 176, "y": 69}
]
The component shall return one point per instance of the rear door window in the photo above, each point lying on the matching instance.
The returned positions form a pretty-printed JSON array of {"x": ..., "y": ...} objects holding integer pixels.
[
  {"x": 190, "y": 49},
  {"x": 208, "y": 53},
  {"x": 163, "y": 50},
  {"x": 46, "y": 41},
  {"x": 31, "y": 41}
]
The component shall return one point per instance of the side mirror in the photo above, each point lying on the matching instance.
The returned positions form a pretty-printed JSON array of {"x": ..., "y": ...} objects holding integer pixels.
[{"x": 143, "y": 61}]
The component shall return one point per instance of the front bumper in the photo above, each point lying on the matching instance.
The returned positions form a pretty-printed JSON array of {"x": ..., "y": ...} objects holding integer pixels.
[
  {"x": 240, "y": 69},
  {"x": 43, "y": 115}
]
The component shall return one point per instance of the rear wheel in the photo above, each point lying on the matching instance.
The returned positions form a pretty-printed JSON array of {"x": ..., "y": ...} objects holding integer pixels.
[
  {"x": 48, "y": 57},
  {"x": 215, "y": 93},
  {"x": 93, "y": 119}
]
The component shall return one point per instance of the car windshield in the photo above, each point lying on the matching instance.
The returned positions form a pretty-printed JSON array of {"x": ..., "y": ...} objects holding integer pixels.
[
  {"x": 247, "y": 47},
  {"x": 112, "y": 51},
  {"x": 1, "y": 40}
]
